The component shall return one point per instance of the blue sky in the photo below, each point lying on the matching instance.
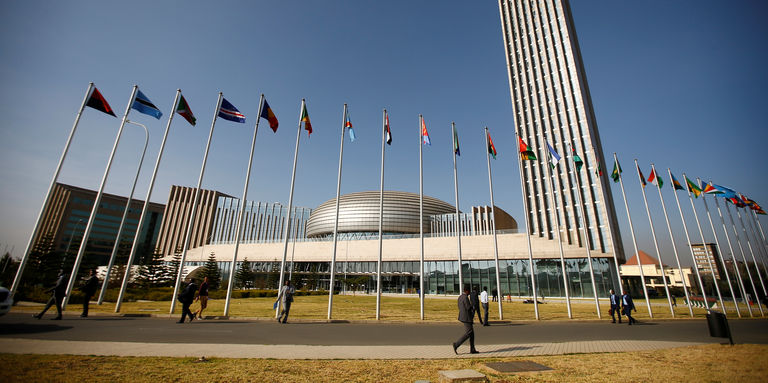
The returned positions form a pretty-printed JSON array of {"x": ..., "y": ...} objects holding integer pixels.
[{"x": 681, "y": 84}]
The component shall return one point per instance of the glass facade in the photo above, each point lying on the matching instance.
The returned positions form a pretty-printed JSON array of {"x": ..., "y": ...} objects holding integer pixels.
[{"x": 442, "y": 277}]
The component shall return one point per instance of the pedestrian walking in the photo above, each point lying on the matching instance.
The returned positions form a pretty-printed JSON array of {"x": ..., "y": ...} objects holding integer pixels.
[
  {"x": 89, "y": 288},
  {"x": 495, "y": 295},
  {"x": 466, "y": 317},
  {"x": 475, "y": 300},
  {"x": 674, "y": 300},
  {"x": 285, "y": 297},
  {"x": 186, "y": 297},
  {"x": 484, "y": 302},
  {"x": 202, "y": 296},
  {"x": 615, "y": 307},
  {"x": 628, "y": 305},
  {"x": 58, "y": 292}
]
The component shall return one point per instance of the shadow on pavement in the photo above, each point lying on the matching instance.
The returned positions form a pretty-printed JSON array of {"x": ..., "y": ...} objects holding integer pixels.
[
  {"x": 516, "y": 348},
  {"x": 18, "y": 328}
]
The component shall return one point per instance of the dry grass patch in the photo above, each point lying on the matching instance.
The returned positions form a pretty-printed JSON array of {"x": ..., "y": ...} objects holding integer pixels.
[
  {"x": 363, "y": 307},
  {"x": 709, "y": 363}
]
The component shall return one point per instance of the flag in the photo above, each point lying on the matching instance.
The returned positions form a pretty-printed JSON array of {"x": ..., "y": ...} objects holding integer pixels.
[
  {"x": 735, "y": 201},
  {"x": 577, "y": 160},
  {"x": 746, "y": 200},
  {"x": 491, "y": 148},
  {"x": 348, "y": 125},
  {"x": 554, "y": 158},
  {"x": 455, "y": 141},
  {"x": 642, "y": 177},
  {"x": 725, "y": 192},
  {"x": 183, "y": 110},
  {"x": 709, "y": 189},
  {"x": 759, "y": 210},
  {"x": 616, "y": 173},
  {"x": 228, "y": 111},
  {"x": 143, "y": 105},
  {"x": 97, "y": 101},
  {"x": 269, "y": 115},
  {"x": 305, "y": 119},
  {"x": 655, "y": 179},
  {"x": 386, "y": 128},
  {"x": 599, "y": 170},
  {"x": 424, "y": 134},
  {"x": 676, "y": 183},
  {"x": 525, "y": 151},
  {"x": 693, "y": 188}
]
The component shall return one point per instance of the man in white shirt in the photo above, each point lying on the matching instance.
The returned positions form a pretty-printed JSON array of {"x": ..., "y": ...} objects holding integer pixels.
[{"x": 484, "y": 302}]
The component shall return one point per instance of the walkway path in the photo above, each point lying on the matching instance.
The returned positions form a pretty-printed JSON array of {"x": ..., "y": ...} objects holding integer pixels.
[{"x": 235, "y": 338}]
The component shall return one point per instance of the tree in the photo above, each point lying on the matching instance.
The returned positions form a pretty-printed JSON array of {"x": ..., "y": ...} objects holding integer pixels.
[
  {"x": 154, "y": 272},
  {"x": 244, "y": 276},
  {"x": 211, "y": 270},
  {"x": 8, "y": 267}
]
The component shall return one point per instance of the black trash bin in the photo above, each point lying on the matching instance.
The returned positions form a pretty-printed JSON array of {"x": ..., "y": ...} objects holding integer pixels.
[{"x": 718, "y": 325}]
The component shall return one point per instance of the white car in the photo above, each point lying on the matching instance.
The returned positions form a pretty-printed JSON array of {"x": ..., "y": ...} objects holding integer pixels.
[{"x": 5, "y": 301}]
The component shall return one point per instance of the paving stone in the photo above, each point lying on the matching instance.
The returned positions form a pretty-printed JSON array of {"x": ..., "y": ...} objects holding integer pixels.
[
  {"x": 460, "y": 376},
  {"x": 518, "y": 366}
]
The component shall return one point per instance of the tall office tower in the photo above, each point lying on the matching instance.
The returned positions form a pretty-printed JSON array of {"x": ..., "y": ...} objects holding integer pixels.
[{"x": 551, "y": 104}]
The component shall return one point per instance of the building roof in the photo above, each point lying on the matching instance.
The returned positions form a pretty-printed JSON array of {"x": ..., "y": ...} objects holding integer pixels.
[{"x": 645, "y": 259}]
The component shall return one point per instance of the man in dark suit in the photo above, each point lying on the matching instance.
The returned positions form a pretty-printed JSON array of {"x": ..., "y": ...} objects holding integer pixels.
[
  {"x": 186, "y": 298},
  {"x": 466, "y": 316},
  {"x": 89, "y": 288},
  {"x": 628, "y": 306},
  {"x": 615, "y": 306},
  {"x": 59, "y": 291},
  {"x": 475, "y": 299}
]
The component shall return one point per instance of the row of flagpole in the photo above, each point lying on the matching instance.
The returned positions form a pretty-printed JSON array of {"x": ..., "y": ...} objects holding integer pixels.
[{"x": 224, "y": 109}]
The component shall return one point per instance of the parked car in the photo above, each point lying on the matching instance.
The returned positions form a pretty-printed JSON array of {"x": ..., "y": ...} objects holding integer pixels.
[{"x": 5, "y": 301}]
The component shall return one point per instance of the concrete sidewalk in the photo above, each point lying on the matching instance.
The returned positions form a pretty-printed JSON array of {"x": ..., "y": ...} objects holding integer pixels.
[{"x": 35, "y": 346}]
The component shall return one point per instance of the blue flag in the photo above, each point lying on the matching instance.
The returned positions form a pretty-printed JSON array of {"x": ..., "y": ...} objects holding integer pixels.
[
  {"x": 727, "y": 193},
  {"x": 554, "y": 158},
  {"x": 143, "y": 105},
  {"x": 228, "y": 111}
]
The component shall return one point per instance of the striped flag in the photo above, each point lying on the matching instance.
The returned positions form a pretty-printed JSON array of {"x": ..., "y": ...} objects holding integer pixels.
[
  {"x": 676, "y": 183},
  {"x": 491, "y": 148},
  {"x": 143, "y": 105},
  {"x": 424, "y": 134},
  {"x": 693, "y": 188},
  {"x": 97, "y": 101},
  {"x": 269, "y": 115},
  {"x": 183, "y": 110},
  {"x": 228, "y": 111},
  {"x": 654, "y": 179},
  {"x": 554, "y": 158},
  {"x": 386, "y": 127},
  {"x": 455, "y": 141},
  {"x": 616, "y": 173},
  {"x": 305, "y": 119},
  {"x": 525, "y": 151},
  {"x": 348, "y": 125},
  {"x": 642, "y": 177}
]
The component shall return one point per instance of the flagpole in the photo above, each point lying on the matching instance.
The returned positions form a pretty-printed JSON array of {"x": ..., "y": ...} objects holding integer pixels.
[
  {"x": 586, "y": 246},
  {"x": 752, "y": 253},
  {"x": 421, "y": 219},
  {"x": 134, "y": 246},
  {"x": 761, "y": 240},
  {"x": 527, "y": 234},
  {"x": 381, "y": 215},
  {"x": 634, "y": 240},
  {"x": 97, "y": 202},
  {"x": 744, "y": 258},
  {"x": 336, "y": 219},
  {"x": 758, "y": 243},
  {"x": 719, "y": 249},
  {"x": 191, "y": 221},
  {"x": 290, "y": 203},
  {"x": 493, "y": 228},
  {"x": 125, "y": 215},
  {"x": 47, "y": 198},
  {"x": 743, "y": 290},
  {"x": 762, "y": 233},
  {"x": 690, "y": 246},
  {"x": 653, "y": 233},
  {"x": 239, "y": 225},
  {"x": 456, "y": 195},
  {"x": 674, "y": 246},
  {"x": 554, "y": 209},
  {"x": 706, "y": 250}
]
